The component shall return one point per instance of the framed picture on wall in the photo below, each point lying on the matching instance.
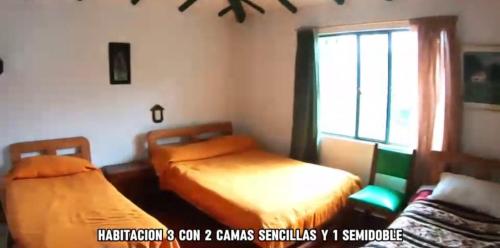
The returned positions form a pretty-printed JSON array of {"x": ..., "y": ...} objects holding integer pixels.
[
  {"x": 481, "y": 75},
  {"x": 119, "y": 63}
]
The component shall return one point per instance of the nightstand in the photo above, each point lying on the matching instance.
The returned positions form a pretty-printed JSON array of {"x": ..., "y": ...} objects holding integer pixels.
[{"x": 135, "y": 180}]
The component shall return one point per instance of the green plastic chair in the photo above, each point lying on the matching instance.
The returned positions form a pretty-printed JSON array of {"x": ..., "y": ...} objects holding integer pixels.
[{"x": 377, "y": 196}]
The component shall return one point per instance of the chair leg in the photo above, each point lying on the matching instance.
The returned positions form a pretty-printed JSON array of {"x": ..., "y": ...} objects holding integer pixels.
[
  {"x": 391, "y": 217},
  {"x": 10, "y": 241},
  {"x": 352, "y": 213},
  {"x": 362, "y": 217}
]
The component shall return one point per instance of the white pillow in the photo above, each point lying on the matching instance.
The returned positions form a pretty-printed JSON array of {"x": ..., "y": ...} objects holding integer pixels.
[{"x": 481, "y": 196}]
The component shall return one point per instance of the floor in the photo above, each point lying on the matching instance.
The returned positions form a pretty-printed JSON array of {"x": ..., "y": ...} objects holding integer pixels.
[{"x": 178, "y": 214}]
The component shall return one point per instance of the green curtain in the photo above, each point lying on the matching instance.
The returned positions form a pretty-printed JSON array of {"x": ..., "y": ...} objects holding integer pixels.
[{"x": 305, "y": 106}]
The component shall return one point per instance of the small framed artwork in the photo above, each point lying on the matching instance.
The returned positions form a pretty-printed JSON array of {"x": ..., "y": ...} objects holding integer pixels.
[
  {"x": 481, "y": 75},
  {"x": 119, "y": 63}
]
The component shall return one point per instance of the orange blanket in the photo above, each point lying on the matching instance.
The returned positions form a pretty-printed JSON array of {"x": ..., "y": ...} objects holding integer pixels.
[
  {"x": 255, "y": 190},
  {"x": 66, "y": 211}
]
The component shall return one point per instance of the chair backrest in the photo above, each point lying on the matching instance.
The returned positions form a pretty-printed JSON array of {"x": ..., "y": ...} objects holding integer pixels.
[
  {"x": 350, "y": 155},
  {"x": 392, "y": 163}
]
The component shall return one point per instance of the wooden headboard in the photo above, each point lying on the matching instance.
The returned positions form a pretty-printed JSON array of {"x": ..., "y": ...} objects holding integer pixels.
[
  {"x": 188, "y": 134},
  {"x": 481, "y": 168},
  {"x": 50, "y": 147}
]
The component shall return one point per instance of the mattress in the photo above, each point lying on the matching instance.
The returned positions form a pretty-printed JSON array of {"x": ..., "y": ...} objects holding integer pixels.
[
  {"x": 257, "y": 190},
  {"x": 66, "y": 211},
  {"x": 428, "y": 223}
]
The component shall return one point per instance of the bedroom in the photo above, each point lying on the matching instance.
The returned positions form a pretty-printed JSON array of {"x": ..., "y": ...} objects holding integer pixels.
[{"x": 199, "y": 67}]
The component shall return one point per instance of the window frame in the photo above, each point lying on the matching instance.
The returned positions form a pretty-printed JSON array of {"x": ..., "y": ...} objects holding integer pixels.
[{"x": 358, "y": 34}]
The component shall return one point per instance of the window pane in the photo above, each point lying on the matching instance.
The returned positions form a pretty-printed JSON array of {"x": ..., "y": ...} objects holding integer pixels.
[
  {"x": 374, "y": 84},
  {"x": 404, "y": 89},
  {"x": 338, "y": 83}
]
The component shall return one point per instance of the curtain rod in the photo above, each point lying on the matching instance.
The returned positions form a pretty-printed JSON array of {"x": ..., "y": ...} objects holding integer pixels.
[{"x": 368, "y": 25}]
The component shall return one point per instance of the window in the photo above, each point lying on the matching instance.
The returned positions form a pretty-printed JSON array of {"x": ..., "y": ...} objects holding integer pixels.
[{"x": 368, "y": 85}]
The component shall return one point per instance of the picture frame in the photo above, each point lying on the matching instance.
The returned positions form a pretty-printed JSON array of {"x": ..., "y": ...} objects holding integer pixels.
[
  {"x": 481, "y": 76},
  {"x": 119, "y": 63}
]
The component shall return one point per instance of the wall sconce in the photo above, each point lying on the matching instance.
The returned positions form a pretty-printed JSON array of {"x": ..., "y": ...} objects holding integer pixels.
[
  {"x": 1, "y": 66},
  {"x": 157, "y": 113}
]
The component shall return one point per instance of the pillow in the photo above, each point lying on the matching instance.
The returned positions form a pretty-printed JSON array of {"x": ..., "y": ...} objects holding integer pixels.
[
  {"x": 161, "y": 157},
  {"x": 422, "y": 193},
  {"x": 49, "y": 166},
  {"x": 478, "y": 195},
  {"x": 207, "y": 149}
]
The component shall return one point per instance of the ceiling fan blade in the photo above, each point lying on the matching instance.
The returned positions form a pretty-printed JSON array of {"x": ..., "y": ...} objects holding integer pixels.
[
  {"x": 289, "y": 6},
  {"x": 225, "y": 10},
  {"x": 238, "y": 10},
  {"x": 255, "y": 6},
  {"x": 186, "y": 5}
]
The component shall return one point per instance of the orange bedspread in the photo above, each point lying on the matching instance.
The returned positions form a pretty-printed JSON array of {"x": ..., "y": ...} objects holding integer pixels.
[
  {"x": 66, "y": 211},
  {"x": 255, "y": 189}
]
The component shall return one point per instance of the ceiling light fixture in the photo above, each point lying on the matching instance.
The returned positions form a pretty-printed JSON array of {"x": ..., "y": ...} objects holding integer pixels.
[{"x": 237, "y": 7}]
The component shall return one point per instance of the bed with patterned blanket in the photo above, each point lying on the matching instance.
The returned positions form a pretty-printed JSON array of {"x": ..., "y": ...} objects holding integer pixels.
[{"x": 428, "y": 223}]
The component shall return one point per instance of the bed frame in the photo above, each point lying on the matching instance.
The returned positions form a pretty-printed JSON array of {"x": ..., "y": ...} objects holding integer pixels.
[
  {"x": 80, "y": 145},
  {"x": 198, "y": 133},
  {"x": 439, "y": 161},
  {"x": 481, "y": 168},
  {"x": 185, "y": 135}
]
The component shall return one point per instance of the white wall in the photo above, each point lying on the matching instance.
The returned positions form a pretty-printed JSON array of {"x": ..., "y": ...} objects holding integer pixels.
[
  {"x": 56, "y": 79},
  {"x": 199, "y": 67},
  {"x": 268, "y": 58}
]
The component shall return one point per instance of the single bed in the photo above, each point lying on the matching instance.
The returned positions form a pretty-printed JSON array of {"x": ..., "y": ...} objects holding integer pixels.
[
  {"x": 250, "y": 188},
  {"x": 428, "y": 222},
  {"x": 66, "y": 210}
]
